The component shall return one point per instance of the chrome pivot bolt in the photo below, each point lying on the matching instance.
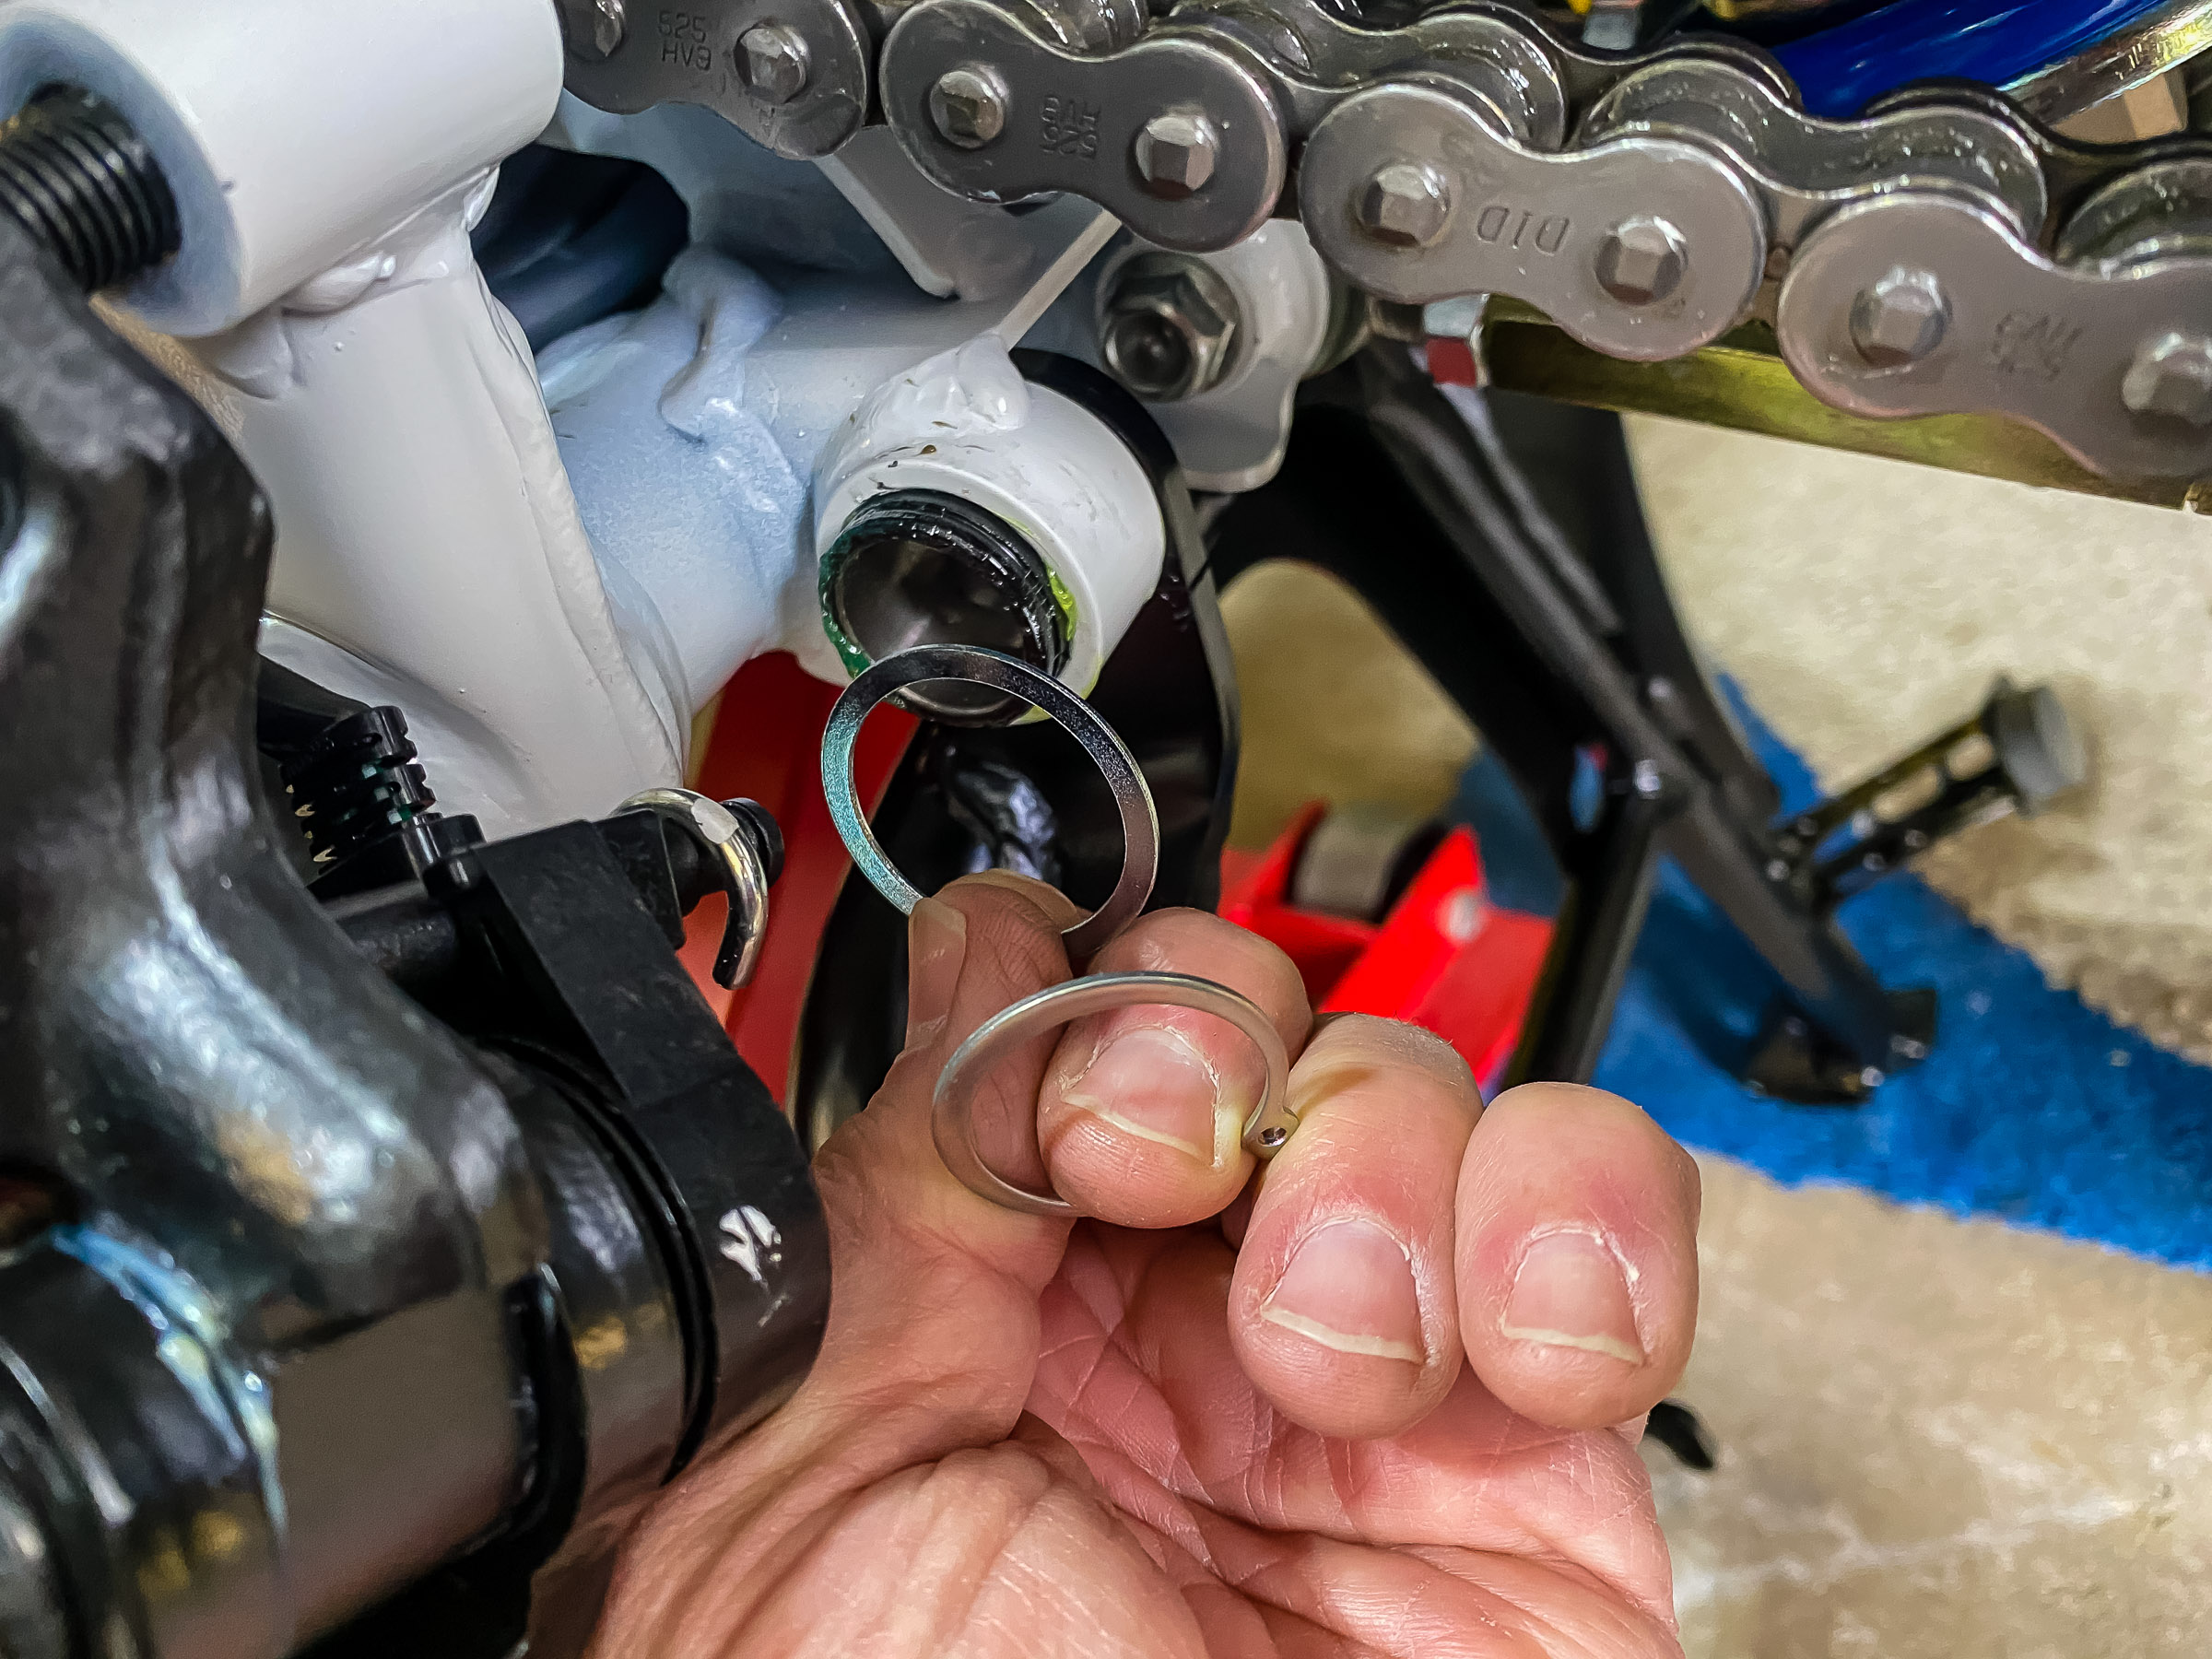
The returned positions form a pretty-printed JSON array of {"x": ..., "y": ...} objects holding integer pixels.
[
  {"x": 594, "y": 29},
  {"x": 968, "y": 106},
  {"x": 1406, "y": 205},
  {"x": 1168, "y": 327},
  {"x": 1175, "y": 154},
  {"x": 1642, "y": 261},
  {"x": 772, "y": 62},
  {"x": 1899, "y": 319},
  {"x": 2171, "y": 376}
]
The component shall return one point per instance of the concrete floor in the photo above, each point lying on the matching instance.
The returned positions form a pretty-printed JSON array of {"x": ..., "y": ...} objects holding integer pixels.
[{"x": 1939, "y": 1438}]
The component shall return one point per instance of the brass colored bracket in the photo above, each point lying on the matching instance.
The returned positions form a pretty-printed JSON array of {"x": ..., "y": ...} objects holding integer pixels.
[{"x": 1740, "y": 382}]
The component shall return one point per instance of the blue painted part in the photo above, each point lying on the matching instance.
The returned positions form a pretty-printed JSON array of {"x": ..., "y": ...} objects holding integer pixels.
[
  {"x": 691, "y": 503},
  {"x": 2033, "y": 1107},
  {"x": 1996, "y": 41}
]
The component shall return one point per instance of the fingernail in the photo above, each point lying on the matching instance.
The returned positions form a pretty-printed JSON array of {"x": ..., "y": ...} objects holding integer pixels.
[
  {"x": 1151, "y": 1082},
  {"x": 1571, "y": 1292},
  {"x": 936, "y": 944},
  {"x": 1349, "y": 1287}
]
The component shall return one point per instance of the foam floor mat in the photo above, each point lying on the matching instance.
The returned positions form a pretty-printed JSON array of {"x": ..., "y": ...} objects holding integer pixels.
[{"x": 2033, "y": 1107}]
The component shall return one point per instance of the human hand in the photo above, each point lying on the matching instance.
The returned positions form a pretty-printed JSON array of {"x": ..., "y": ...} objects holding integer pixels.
[{"x": 1384, "y": 1400}]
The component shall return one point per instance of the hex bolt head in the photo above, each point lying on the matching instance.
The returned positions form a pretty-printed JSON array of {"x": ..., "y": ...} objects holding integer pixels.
[
  {"x": 1168, "y": 329},
  {"x": 1175, "y": 154},
  {"x": 1642, "y": 261},
  {"x": 772, "y": 62},
  {"x": 2171, "y": 376},
  {"x": 1899, "y": 319},
  {"x": 968, "y": 106},
  {"x": 1404, "y": 204},
  {"x": 594, "y": 29}
]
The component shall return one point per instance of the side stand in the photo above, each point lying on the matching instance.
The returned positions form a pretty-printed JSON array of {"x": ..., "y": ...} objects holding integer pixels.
[{"x": 1500, "y": 538}]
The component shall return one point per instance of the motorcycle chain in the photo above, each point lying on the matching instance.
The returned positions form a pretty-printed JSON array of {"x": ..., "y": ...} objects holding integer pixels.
[{"x": 1941, "y": 253}]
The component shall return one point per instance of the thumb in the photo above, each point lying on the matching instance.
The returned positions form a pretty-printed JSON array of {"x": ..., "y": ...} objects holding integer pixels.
[{"x": 932, "y": 1339}]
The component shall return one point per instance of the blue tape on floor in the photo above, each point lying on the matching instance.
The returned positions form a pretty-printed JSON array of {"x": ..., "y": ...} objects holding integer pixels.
[{"x": 2033, "y": 1107}]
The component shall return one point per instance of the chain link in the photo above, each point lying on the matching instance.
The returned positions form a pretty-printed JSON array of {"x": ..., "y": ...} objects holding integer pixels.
[
  {"x": 1943, "y": 254},
  {"x": 1916, "y": 259}
]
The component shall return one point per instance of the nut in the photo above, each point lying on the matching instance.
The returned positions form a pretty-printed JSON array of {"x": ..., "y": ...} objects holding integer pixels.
[
  {"x": 2171, "y": 376},
  {"x": 1168, "y": 327},
  {"x": 1406, "y": 205},
  {"x": 1175, "y": 154},
  {"x": 594, "y": 29},
  {"x": 1899, "y": 319},
  {"x": 772, "y": 62},
  {"x": 968, "y": 106},
  {"x": 1642, "y": 261}
]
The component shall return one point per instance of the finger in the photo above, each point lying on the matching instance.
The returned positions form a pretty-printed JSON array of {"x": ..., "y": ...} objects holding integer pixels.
[
  {"x": 1143, "y": 1107},
  {"x": 929, "y": 1279},
  {"x": 1021, "y": 922},
  {"x": 932, "y": 1340},
  {"x": 1578, "y": 1255},
  {"x": 1342, "y": 1309},
  {"x": 1138, "y": 1370}
]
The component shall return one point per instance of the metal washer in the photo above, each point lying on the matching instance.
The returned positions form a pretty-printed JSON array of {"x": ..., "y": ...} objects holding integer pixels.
[
  {"x": 952, "y": 1113},
  {"x": 973, "y": 663}
]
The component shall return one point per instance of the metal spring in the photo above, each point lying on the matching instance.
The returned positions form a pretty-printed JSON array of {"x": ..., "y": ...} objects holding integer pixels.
[
  {"x": 356, "y": 783},
  {"x": 77, "y": 179}
]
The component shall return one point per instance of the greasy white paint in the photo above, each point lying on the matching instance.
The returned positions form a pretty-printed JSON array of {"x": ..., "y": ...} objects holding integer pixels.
[
  {"x": 693, "y": 429},
  {"x": 682, "y": 484},
  {"x": 327, "y": 160},
  {"x": 428, "y": 548},
  {"x": 947, "y": 244},
  {"x": 690, "y": 430},
  {"x": 1232, "y": 437},
  {"x": 743, "y": 200},
  {"x": 965, "y": 422},
  {"x": 294, "y": 133}
]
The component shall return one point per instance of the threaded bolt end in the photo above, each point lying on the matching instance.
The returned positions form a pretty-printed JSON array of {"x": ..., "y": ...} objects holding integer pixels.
[{"x": 79, "y": 180}]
